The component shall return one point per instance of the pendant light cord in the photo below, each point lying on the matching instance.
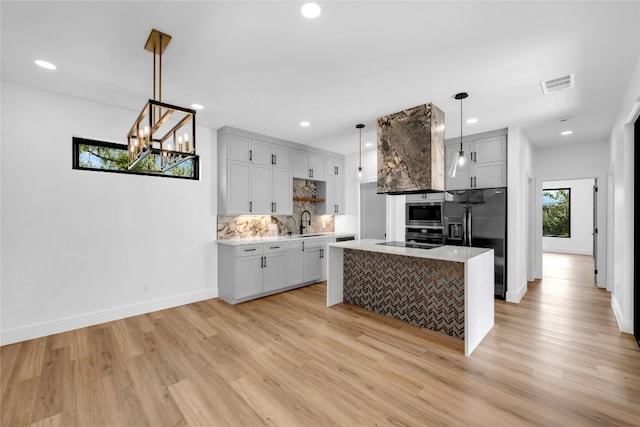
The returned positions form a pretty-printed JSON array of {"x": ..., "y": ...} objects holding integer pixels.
[
  {"x": 360, "y": 158},
  {"x": 461, "y": 123}
]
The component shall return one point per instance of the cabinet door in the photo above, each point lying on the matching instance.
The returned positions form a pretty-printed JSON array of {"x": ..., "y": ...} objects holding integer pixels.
[
  {"x": 452, "y": 150},
  {"x": 461, "y": 181},
  {"x": 238, "y": 148},
  {"x": 238, "y": 187},
  {"x": 281, "y": 156},
  {"x": 260, "y": 152},
  {"x": 282, "y": 191},
  {"x": 490, "y": 149},
  {"x": 300, "y": 165},
  {"x": 312, "y": 265},
  {"x": 330, "y": 197},
  {"x": 317, "y": 166},
  {"x": 275, "y": 273},
  {"x": 335, "y": 167},
  {"x": 248, "y": 276},
  {"x": 338, "y": 194},
  {"x": 490, "y": 175},
  {"x": 295, "y": 263},
  {"x": 261, "y": 189}
]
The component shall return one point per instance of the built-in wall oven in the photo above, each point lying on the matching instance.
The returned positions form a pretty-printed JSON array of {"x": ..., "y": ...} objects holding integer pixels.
[{"x": 424, "y": 223}]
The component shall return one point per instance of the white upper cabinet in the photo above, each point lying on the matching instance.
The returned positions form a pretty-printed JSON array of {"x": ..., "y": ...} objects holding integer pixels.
[
  {"x": 489, "y": 150},
  {"x": 238, "y": 148},
  {"x": 282, "y": 192},
  {"x": 488, "y": 161},
  {"x": 255, "y": 173},
  {"x": 335, "y": 167},
  {"x": 281, "y": 156},
  {"x": 307, "y": 165}
]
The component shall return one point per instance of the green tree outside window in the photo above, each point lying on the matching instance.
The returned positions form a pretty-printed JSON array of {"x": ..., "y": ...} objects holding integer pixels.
[{"x": 556, "y": 212}]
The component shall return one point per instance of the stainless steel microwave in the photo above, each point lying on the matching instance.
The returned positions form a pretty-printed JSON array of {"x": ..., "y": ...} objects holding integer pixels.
[{"x": 424, "y": 213}]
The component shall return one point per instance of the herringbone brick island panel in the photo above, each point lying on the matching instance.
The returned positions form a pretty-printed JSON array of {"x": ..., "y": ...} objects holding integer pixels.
[{"x": 425, "y": 292}]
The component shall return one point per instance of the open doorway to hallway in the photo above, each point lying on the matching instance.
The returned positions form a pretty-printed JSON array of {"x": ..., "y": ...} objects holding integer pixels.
[{"x": 569, "y": 220}]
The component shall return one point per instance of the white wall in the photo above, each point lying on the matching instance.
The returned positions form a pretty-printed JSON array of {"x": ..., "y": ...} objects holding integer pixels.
[
  {"x": 620, "y": 226},
  {"x": 77, "y": 246},
  {"x": 519, "y": 171},
  {"x": 589, "y": 160},
  {"x": 580, "y": 218}
]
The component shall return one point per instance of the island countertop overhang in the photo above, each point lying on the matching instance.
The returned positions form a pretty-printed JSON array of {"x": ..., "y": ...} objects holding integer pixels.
[{"x": 444, "y": 253}]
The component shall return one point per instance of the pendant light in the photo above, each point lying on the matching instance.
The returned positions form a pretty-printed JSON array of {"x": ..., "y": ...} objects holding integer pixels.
[
  {"x": 360, "y": 175},
  {"x": 461, "y": 160}
]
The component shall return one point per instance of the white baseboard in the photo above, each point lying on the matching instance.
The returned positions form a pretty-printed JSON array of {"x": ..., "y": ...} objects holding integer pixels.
[
  {"x": 89, "y": 319},
  {"x": 515, "y": 297},
  {"x": 625, "y": 325},
  {"x": 568, "y": 251}
]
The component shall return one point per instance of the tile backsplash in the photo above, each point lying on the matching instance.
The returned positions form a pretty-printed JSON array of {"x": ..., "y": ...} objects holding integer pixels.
[{"x": 244, "y": 226}]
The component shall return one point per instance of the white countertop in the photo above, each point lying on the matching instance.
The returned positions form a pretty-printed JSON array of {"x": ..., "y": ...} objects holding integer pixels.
[
  {"x": 445, "y": 253},
  {"x": 270, "y": 239}
]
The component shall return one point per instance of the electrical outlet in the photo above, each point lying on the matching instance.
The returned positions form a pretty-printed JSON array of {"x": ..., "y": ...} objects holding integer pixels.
[{"x": 146, "y": 286}]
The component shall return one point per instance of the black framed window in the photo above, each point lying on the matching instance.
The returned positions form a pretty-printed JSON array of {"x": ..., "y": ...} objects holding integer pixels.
[
  {"x": 556, "y": 212},
  {"x": 93, "y": 155}
]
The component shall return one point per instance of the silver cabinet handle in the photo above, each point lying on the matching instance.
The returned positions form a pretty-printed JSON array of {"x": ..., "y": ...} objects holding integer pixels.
[
  {"x": 250, "y": 155},
  {"x": 302, "y": 246},
  {"x": 249, "y": 250},
  {"x": 265, "y": 261},
  {"x": 261, "y": 262},
  {"x": 250, "y": 206}
]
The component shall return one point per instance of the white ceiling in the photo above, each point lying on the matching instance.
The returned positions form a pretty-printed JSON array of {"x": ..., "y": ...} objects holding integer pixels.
[{"x": 261, "y": 66}]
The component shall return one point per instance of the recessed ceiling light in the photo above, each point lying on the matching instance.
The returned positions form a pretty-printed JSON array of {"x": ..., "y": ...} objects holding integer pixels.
[
  {"x": 472, "y": 121},
  {"x": 45, "y": 64},
  {"x": 368, "y": 144},
  {"x": 197, "y": 106},
  {"x": 310, "y": 10},
  {"x": 304, "y": 124},
  {"x": 566, "y": 132}
]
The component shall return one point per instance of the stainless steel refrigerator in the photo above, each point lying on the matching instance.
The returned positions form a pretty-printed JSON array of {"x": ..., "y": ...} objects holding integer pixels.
[{"x": 479, "y": 218}]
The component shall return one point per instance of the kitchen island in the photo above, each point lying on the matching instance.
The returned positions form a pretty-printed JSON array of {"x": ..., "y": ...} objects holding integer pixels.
[{"x": 448, "y": 289}]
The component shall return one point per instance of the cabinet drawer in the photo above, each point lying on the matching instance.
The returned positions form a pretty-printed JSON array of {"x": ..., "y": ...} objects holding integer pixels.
[
  {"x": 248, "y": 250},
  {"x": 271, "y": 248}
]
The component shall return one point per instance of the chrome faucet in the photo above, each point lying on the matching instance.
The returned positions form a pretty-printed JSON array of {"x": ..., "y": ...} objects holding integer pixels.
[{"x": 302, "y": 226}]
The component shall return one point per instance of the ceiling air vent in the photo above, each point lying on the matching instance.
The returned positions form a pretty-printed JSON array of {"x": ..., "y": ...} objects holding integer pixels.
[{"x": 558, "y": 83}]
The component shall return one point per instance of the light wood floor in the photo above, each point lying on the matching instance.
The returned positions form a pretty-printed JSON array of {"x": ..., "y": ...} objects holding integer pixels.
[{"x": 555, "y": 359}]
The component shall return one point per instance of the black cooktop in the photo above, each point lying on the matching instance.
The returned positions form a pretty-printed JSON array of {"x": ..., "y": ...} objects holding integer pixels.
[{"x": 410, "y": 245}]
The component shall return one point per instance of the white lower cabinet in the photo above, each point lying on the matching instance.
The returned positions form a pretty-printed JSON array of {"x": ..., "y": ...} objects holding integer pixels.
[
  {"x": 312, "y": 267},
  {"x": 295, "y": 267},
  {"x": 249, "y": 276},
  {"x": 275, "y": 267},
  {"x": 315, "y": 261},
  {"x": 251, "y": 271}
]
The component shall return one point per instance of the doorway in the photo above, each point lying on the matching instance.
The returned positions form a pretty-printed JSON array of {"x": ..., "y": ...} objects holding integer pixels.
[
  {"x": 569, "y": 220},
  {"x": 373, "y": 212}
]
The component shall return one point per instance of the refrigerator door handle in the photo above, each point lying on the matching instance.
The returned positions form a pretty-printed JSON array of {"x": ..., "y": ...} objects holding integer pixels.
[
  {"x": 469, "y": 231},
  {"x": 464, "y": 226}
]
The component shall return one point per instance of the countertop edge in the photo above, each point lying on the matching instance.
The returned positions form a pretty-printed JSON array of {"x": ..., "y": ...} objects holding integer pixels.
[
  {"x": 271, "y": 239},
  {"x": 443, "y": 253}
]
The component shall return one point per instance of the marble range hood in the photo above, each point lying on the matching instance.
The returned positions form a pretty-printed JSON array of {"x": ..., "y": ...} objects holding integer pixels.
[{"x": 411, "y": 151}]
